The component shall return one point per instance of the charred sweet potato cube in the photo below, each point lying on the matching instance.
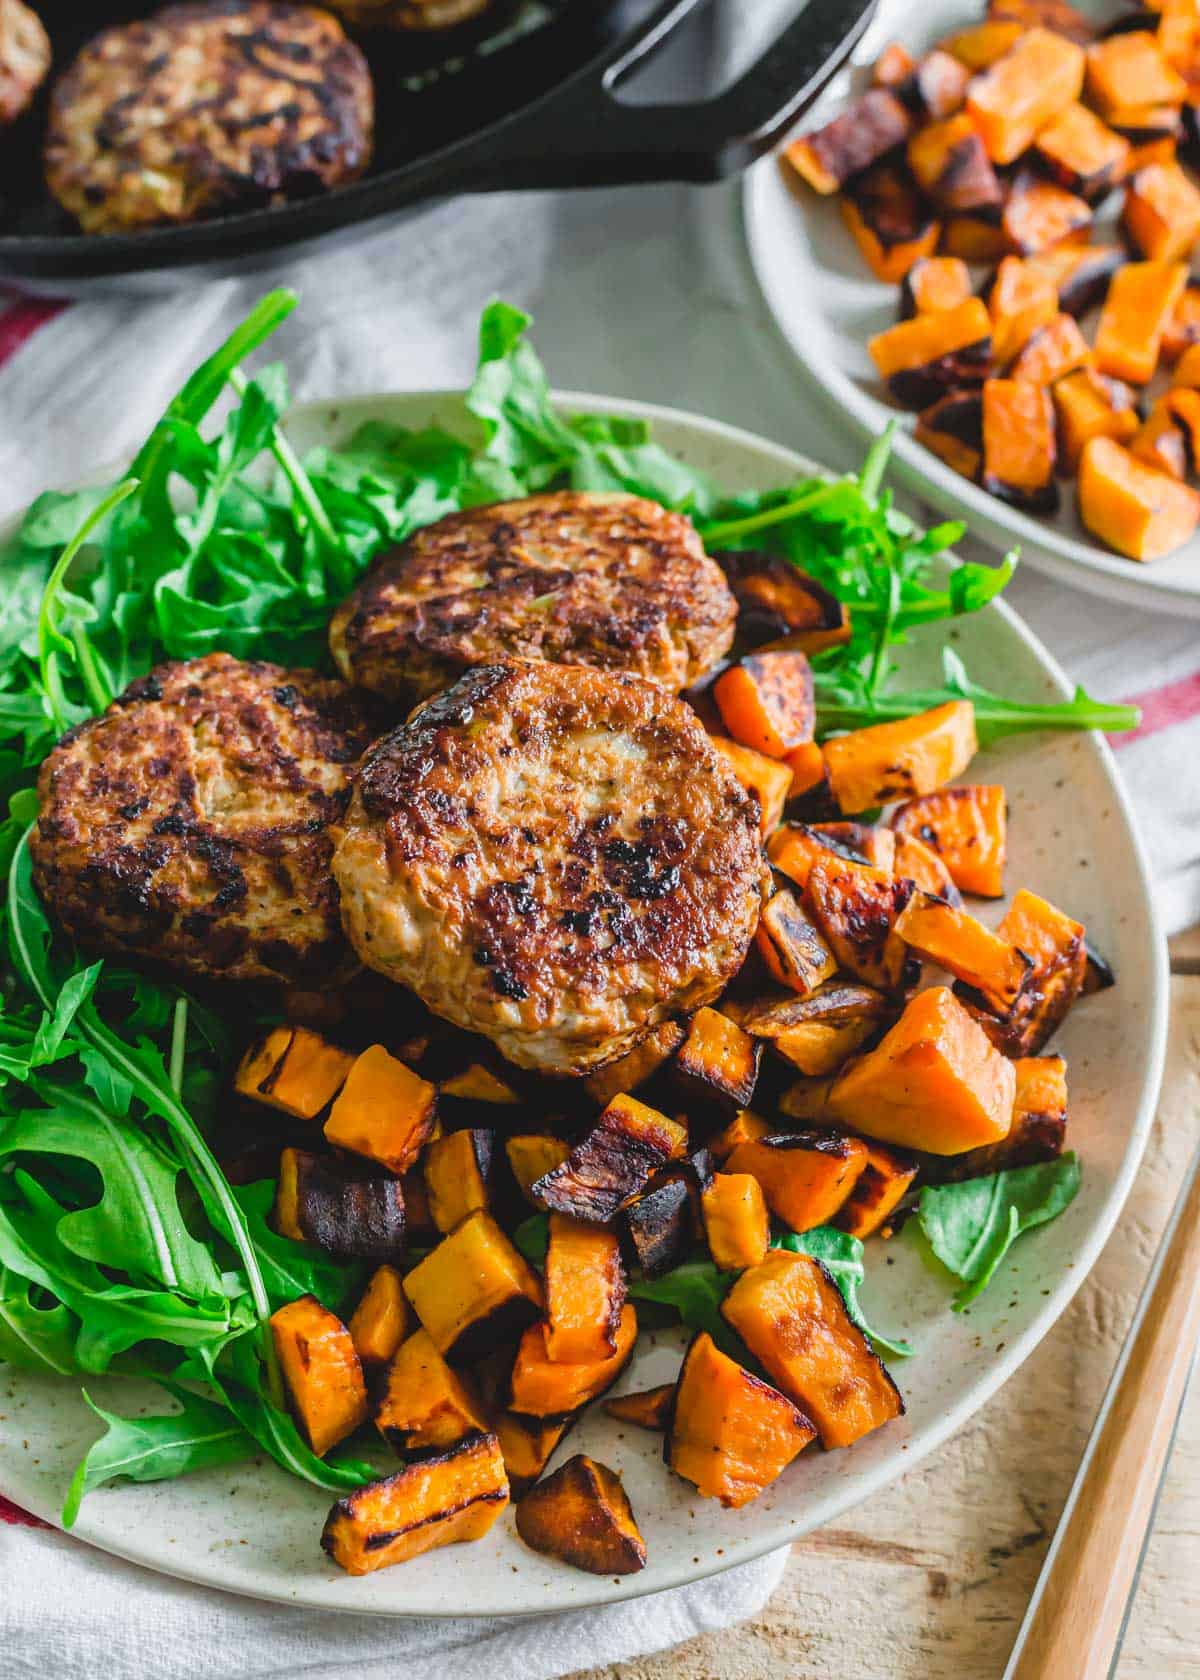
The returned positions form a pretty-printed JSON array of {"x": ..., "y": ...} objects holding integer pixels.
[
  {"x": 1161, "y": 213},
  {"x": 1183, "y": 329},
  {"x": 717, "y": 1063},
  {"x": 878, "y": 1192},
  {"x": 1051, "y": 353},
  {"x": 443, "y": 1498},
  {"x": 1141, "y": 300},
  {"x": 585, "y": 1290},
  {"x": 950, "y": 165},
  {"x": 321, "y": 1372},
  {"x": 920, "y": 360},
  {"x": 936, "y": 86},
  {"x": 1136, "y": 509},
  {"x": 1047, "y": 14},
  {"x": 952, "y": 939},
  {"x": 1081, "y": 274},
  {"x": 293, "y": 1070},
  {"x": 1098, "y": 971},
  {"x": 810, "y": 780},
  {"x": 795, "y": 848},
  {"x": 778, "y": 602},
  {"x": 890, "y": 221},
  {"x": 768, "y": 779},
  {"x": 527, "y": 1445},
  {"x": 458, "y": 1172},
  {"x": 540, "y": 1388},
  {"x": 418, "y": 1221},
  {"x": 818, "y": 1047},
  {"x": 920, "y": 864},
  {"x": 952, "y": 428},
  {"x": 382, "y": 1318},
  {"x": 1039, "y": 214},
  {"x": 835, "y": 1004},
  {"x": 808, "y": 1100},
  {"x": 805, "y": 1176},
  {"x": 900, "y": 760},
  {"x": 618, "y": 1157},
  {"x": 648, "y": 1408},
  {"x": 1022, "y": 299},
  {"x": 1081, "y": 153},
  {"x": 349, "y": 1213},
  {"x": 977, "y": 238},
  {"x": 730, "y": 1433},
  {"x": 1160, "y": 441},
  {"x": 582, "y": 1515},
  {"x": 736, "y": 1223},
  {"x": 893, "y": 66},
  {"x": 935, "y": 1082},
  {"x": 474, "y": 1291},
  {"x": 1020, "y": 93},
  {"x": 478, "y": 1084},
  {"x": 1038, "y": 1130},
  {"x": 1088, "y": 404},
  {"x": 980, "y": 46},
  {"x": 855, "y": 908},
  {"x": 1154, "y": 133},
  {"x": 1130, "y": 69},
  {"x": 1187, "y": 370},
  {"x": 1057, "y": 947},
  {"x": 968, "y": 829},
  {"x": 791, "y": 947},
  {"x": 741, "y": 1128},
  {"x": 1019, "y": 449},
  {"x": 934, "y": 284},
  {"x": 869, "y": 128},
  {"x": 766, "y": 701},
  {"x": 425, "y": 1403},
  {"x": 659, "y": 1226},
  {"x": 635, "y": 1067},
  {"x": 790, "y": 1314},
  {"x": 384, "y": 1111},
  {"x": 531, "y": 1156},
  {"x": 860, "y": 842}
]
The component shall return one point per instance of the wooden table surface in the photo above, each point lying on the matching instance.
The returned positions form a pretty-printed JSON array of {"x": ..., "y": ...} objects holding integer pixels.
[{"x": 929, "y": 1581}]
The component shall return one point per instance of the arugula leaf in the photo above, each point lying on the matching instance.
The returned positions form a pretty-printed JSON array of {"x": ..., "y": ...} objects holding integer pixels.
[
  {"x": 291, "y": 1269},
  {"x": 694, "y": 1292},
  {"x": 971, "y": 1226},
  {"x": 842, "y": 1257},
  {"x": 198, "y": 1436},
  {"x": 35, "y": 1337}
]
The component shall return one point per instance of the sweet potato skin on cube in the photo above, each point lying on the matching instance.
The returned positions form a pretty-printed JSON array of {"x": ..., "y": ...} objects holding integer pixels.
[
  {"x": 541, "y": 1388},
  {"x": 791, "y": 947},
  {"x": 950, "y": 164},
  {"x": 634, "y": 1068},
  {"x": 1081, "y": 274},
  {"x": 878, "y": 1191},
  {"x": 736, "y": 1223},
  {"x": 918, "y": 862},
  {"x": 889, "y": 220},
  {"x": 1081, "y": 153},
  {"x": 1039, "y": 214},
  {"x": 777, "y": 602},
  {"x": 789, "y": 1313},
  {"x": 624, "y": 1149},
  {"x": 968, "y": 829},
  {"x": 1049, "y": 354},
  {"x": 1136, "y": 509},
  {"x": 935, "y": 1083},
  {"x": 647, "y": 1408},
  {"x": 864, "y": 132},
  {"x": 952, "y": 428},
  {"x": 805, "y": 1176},
  {"x": 474, "y": 1291},
  {"x": 293, "y": 1070},
  {"x": 458, "y": 1171},
  {"x": 441, "y": 1499},
  {"x": 766, "y": 701},
  {"x": 920, "y": 360},
  {"x": 933, "y": 284},
  {"x": 1019, "y": 94},
  {"x": 582, "y": 1515},
  {"x": 1057, "y": 946},
  {"x": 531, "y": 1155},
  {"x": 584, "y": 1284},
  {"x": 659, "y": 1225},
  {"x": 351, "y": 1214},
  {"x": 527, "y": 1445},
  {"x": 384, "y": 1111},
  {"x": 717, "y": 1063},
  {"x": 730, "y": 1433},
  {"x": 901, "y": 760},
  {"x": 321, "y": 1371},
  {"x": 855, "y": 908},
  {"x": 424, "y": 1403}
]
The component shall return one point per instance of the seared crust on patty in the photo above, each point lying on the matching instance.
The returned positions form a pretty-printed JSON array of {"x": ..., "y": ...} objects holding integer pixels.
[
  {"x": 427, "y": 15},
  {"x": 580, "y": 579},
  {"x": 553, "y": 857},
  {"x": 210, "y": 106},
  {"x": 24, "y": 57},
  {"x": 190, "y": 822}
]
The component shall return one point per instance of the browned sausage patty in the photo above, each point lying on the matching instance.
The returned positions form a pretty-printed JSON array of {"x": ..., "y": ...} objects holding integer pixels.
[
  {"x": 554, "y": 857},
  {"x": 190, "y": 823},
  {"x": 24, "y": 57},
  {"x": 408, "y": 14},
  {"x": 206, "y": 107},
  {"x": 580, "y": 579}
]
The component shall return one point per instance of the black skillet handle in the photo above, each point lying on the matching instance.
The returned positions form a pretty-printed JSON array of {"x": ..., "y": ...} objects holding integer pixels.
[{"x": 582, "y": 135}]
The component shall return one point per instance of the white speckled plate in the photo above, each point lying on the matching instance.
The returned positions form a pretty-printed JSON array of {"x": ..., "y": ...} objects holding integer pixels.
[
  {"x": 827, "y": 305},
  {"x": 252, "y": 1529}
]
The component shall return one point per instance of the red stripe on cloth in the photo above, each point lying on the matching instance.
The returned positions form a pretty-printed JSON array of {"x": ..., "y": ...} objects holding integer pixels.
[
  {"x": 24, "y": 318},
  {"x": 1162, "y": 708},
  {"x": 10, "y": 1513}
]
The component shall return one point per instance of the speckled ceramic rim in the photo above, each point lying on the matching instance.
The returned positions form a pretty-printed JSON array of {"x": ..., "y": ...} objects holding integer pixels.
[{"x": 791, "y": 1524}]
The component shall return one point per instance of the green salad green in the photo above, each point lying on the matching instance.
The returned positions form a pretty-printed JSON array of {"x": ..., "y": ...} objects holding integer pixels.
[{"x": 123, "y": 1248}]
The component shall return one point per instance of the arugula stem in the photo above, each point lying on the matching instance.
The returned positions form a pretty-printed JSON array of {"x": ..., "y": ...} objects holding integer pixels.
[
  {"x": 293, "y": 471},
  {"x": 179, "y": 1023},
  {"x": 808, "y": 499},
  {"x": 98, "y": 691},
  {"x": 870, "y": 479},
  {"x": 997, "y": 718},
  {"x": 50, "y": 637}
]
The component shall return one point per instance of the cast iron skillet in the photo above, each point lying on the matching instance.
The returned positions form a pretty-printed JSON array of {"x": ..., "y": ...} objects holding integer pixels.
[{"x": 531, "y": 105}]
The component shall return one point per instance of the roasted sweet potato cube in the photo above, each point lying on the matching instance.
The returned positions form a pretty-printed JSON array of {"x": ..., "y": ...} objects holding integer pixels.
[
  {"x": 1098, "y": 971},
  {"x": 1130, "y": 69},
  {"x": 878, "y": 1192},
  {"x": 869, "y": 128},
  {"x": 541, "y": 1388},
  {"x": 900, "y": 760},
  {"x": 1154, "y": 133},
  {"x": 1022, "y": 299},
  {"x": 1020, "y": 93},
  {"x": 736, "y": 1223},
  {"x": 424, "y": 1403},
  {"x": 791, "y": 1316},
  {"x": 741, "y": 1128},
  {"x": 1057, "y": 947},
  {"x": 890, "y": 221},
  {"x": 809, "y": 792},
  {"x": 1088, "y": 404},
  {"x": 531, "y": 1156},
  {"x": 478, "y": 1084},
  {"x": 808, "y": 1100},
  {"x": 717, "y": 1063},
  {"x": 458, "y": 1172},
  {"x": 860, "y": 842},
  {"x": 635, "y": 1067},
  {"x": 1183, "y": 405},
  {"x": 321, "y": 1371},
  {"x": 648, "y": 1408},
  {"x": 1081, "y": 153},
  {"x": 474, "y": 1291},
  {"x": 968, "y": 829},
  {"x": 443, "y": 1498},
  {"x": 790, "y": 945},
  {"x": 953, "y": 939},
  {"x": 659, "y": 1226},
  {"x": 980, "y": 46},
  {"x": 1052, "y": 352},
  {"x": 920, "y": 360},
  {"x": 618, "y": 1157},
  {"x": 766, "y": 701},
  {"x": 836, "y": 1003},
  {"x": 382, "y": 1318},
  {"x": 1019, "y": 450},
  {"x": 1046, "y": 14},
  {"x": 950, "y": 165},
  {"x": 293, "y": 1070},
  {"x": 1081, "y": 274},
  {"x": 1139, "y": 511},
  {"x": 1161, "y": 214},
  {"x": 1183, "y": 329},
  {"x": 934, "y": 1083},
  {"x": 933, "y": 284},
  {"x": 527, "y": 1444},
  {"x": 778, "y": 602},
  {"x": 952, "y": 428},
  {"x": 384, "y": 1111},
  {"x": 936, "y": 85},
  {"x": 1141, "y": 300},
  {"x": 795, "y": 848},
  {"x": 805, "y": 1176},
  {"x": 893, "y": 66},
  {"x": 976, "y": 238},
  {"x": 1038, "y": 1130},
  {"x": 768, "y": 779},
  {"x": 1160, "y": 441},
  {"x": 1187, "y": 370},
  {"x": 349, "y": 1213},
  {"x": 818, "y": 1047},
  {"x": 585, "y": 1290},
  {"x": 856, "y": 908},
  {"x": 730, "y": 1433},
  {"x": 919, "y": 863},
  {"x": 1039, "y": 214},
  {"x": 582, "y": 1515}
]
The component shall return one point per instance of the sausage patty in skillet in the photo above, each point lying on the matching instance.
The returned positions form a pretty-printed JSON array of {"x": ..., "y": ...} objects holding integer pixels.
[
  {"x": 24, "y": 57},
  {"x": 580, "y": 579},
  {"x": 554, "y": 857},
  {"x": 190, "y": 822}
]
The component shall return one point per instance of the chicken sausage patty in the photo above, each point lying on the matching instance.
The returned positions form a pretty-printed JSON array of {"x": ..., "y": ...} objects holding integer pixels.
[
  {"x": 206, "y": 107},
  {"x": 554, "y": 857},
  {"x": 24, "y": 58},
  {"x": 190, "y": 822},
  {"x": 579, "y": 579}
]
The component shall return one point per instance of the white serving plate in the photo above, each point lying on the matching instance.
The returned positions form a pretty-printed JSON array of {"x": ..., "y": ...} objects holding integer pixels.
[
  {"x": 827, "y": 304},
  {"x": 252, "y": 1529}
]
